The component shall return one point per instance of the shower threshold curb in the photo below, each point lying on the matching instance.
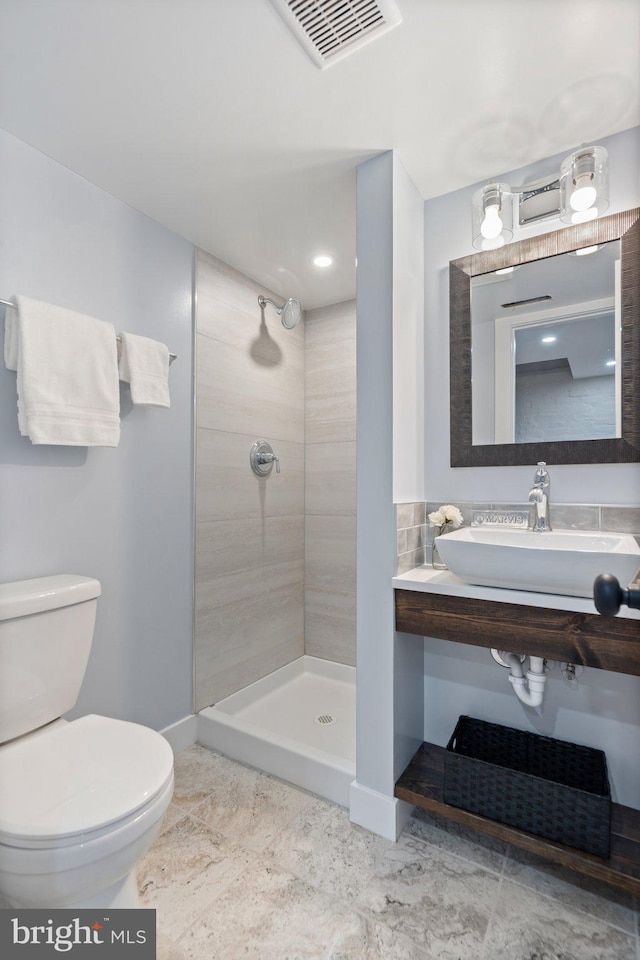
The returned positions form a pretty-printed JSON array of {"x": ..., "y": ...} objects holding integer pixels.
[{"x": 303, "y": 764}]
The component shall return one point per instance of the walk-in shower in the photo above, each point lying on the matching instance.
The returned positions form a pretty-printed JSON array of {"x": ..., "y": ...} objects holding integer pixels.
[
  {"x": 275, "y": 554},
  {"x": 290, "y": 311}
]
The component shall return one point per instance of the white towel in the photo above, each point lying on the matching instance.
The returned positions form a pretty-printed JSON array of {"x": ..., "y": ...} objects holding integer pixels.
[
  {"x": 144, "y": 363},
  {"x": 68, "y": 390},
  {"x": 11, "y": 338}
]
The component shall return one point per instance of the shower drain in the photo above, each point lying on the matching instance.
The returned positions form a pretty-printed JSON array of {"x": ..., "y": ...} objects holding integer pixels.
[{"x": 324, "y": 719}]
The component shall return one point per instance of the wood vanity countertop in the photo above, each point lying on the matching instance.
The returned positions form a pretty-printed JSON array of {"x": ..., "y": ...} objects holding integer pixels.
[
  {"x": 425, "y": 579},
  {"x": 435, "y": 603}
]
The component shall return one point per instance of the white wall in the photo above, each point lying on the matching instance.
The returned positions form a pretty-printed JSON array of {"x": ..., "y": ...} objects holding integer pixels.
[
  {"x": 123, "y": 515},
  {"x": 389, "y": 682},
  {"x": 408, "y": 338},
  {"x": 447, "y": 237},
  {"x": 604, "y": 711}
]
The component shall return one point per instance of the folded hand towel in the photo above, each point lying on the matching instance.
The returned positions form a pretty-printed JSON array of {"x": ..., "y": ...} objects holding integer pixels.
[
  {"x": 144, "y": 363},
  {"x": 68, "y": 390}
]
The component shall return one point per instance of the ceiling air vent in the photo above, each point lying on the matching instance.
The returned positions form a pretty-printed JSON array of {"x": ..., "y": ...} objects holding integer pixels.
[{"x": 332, "y": 29}]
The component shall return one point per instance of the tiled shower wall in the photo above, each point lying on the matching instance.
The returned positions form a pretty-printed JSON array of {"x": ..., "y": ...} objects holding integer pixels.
[
  {"x": 330, "y": 483},
  {"x": 249, "y": 577}
]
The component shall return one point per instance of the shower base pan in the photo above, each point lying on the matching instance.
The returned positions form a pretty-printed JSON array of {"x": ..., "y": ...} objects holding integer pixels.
[{"x": 298, "y": 723}]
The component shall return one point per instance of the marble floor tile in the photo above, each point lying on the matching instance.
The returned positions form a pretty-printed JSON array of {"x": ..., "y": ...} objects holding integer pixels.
[
  {"x": 251, "y": 808},
  {"x": 185, "y": 869},
  {"x": 529, "y": 926},
  {"x": 171, "y": 817},
  {"x": 250, "y": 867},
  {"x": 572, "y": 890},
  {"x": 166, "y": 949},
  {"x": 197, "y": 770},
  {"x": 455, "y": 838},
  {"x": 439, "y": 901},
  {"x": 360, "y": 938},
  {"x": 268, "y": 914},
  {"x": 265, "y": 914}
]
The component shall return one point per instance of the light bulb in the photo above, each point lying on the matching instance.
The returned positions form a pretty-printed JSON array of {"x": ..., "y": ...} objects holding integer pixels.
[
  {"x": 493, "y": 243},
  {"x": 584, "y": 195},
  {"x": 491, "y": 226}
]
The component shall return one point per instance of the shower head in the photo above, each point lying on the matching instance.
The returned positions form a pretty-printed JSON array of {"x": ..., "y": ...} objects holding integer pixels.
[{"x": 290, "y": 312}]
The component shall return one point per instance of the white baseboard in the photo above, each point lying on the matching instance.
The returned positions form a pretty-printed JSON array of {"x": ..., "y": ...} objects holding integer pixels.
[
  {"x": 383, "y": 815},
  {"x": 182, "y": 734}
]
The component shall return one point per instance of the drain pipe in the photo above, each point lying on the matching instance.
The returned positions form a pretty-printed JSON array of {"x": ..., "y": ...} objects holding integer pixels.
[{"x": 529, "y": 690}]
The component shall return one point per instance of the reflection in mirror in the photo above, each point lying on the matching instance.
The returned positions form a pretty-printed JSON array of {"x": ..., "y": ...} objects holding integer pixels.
[
  {"x": 546, "y": 349},
  {"x": 518, "y": 396}
]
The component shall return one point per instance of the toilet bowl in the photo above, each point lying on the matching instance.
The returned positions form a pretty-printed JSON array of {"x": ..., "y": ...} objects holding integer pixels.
[{"x": 81, "y": 801}]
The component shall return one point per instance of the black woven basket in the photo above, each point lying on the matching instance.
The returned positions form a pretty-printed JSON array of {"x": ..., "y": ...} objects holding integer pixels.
[{"x": 554, "y": 789}]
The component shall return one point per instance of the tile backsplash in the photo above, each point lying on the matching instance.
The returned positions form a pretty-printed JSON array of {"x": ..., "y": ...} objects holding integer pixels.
[
  {"x": 414, "y": 534},
  {"x": 411, "y": 535}
]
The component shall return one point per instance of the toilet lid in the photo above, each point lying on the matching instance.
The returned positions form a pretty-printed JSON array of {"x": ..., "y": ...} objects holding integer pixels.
[{"x": 79, "y": 777}]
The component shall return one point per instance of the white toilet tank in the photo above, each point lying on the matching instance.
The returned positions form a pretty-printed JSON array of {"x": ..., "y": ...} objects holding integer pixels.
[{"x": 46, "y": 629}]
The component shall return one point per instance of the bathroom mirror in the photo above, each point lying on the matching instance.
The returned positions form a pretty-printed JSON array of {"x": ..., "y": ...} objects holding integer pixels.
[{"x": 545, "y": 348}]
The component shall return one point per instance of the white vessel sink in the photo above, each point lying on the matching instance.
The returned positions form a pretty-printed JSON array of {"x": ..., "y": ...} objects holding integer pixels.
[{"x": 564, "y": 562}]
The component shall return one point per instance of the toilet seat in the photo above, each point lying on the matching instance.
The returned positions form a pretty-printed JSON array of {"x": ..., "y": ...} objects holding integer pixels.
[{"x": 79, "y": 781}]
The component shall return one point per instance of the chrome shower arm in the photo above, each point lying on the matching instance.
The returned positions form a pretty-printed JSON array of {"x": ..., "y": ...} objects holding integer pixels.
[{"x": 263, "y": 301}]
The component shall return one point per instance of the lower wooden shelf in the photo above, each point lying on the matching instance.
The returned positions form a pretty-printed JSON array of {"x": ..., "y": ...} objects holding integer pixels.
[{"x": 422, "y": 785}]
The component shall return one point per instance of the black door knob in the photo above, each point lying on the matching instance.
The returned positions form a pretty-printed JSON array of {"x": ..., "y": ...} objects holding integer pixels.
[{"x": 609, "y": 596}]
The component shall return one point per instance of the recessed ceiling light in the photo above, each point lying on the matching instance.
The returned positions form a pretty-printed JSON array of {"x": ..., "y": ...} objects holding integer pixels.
[
  {"x": 584, "y": 251},
  {"x": 549, "y": 339},
  {"x": 323, "y": 261},
  {"x": 505, "y": 270},
  {"x": 611, "y": 363}
]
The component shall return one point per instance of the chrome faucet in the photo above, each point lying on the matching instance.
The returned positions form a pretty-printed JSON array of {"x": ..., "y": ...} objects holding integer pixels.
[{"x": 540, "y": 494}]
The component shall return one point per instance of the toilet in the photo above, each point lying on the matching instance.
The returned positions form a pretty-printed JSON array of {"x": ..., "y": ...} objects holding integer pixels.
[{"x": 80, "y": 801}]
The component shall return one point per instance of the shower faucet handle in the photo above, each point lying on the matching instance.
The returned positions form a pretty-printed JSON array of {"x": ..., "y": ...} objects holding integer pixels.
[
  {"x": 269, "y": 458},
  {"x": 262, "y": 458}
]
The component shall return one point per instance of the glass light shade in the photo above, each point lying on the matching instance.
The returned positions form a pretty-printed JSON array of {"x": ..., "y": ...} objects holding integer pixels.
[
  {"x": 584, "y": 185},
  {"x": 492, "y": 216}
]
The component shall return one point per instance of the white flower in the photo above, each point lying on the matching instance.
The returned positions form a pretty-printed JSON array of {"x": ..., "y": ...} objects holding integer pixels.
[
  {"x": 452, "y": 515},
  {"x": 446, "y": 517}
]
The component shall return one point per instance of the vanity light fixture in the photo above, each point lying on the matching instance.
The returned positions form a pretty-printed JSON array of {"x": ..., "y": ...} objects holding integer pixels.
[
  {"x": 323, "y": 260},
  {"x": 584, "y": 185},
  {"x": 492, "y": 216},
  {"x": 577, "y": 194}
]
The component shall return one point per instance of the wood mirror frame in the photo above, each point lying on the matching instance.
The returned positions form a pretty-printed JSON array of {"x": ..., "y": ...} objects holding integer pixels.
[{"x": 625, "y": 449}]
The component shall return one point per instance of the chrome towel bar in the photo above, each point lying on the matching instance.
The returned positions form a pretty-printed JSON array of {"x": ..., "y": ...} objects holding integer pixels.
[{"x": 8, "y": 303}]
